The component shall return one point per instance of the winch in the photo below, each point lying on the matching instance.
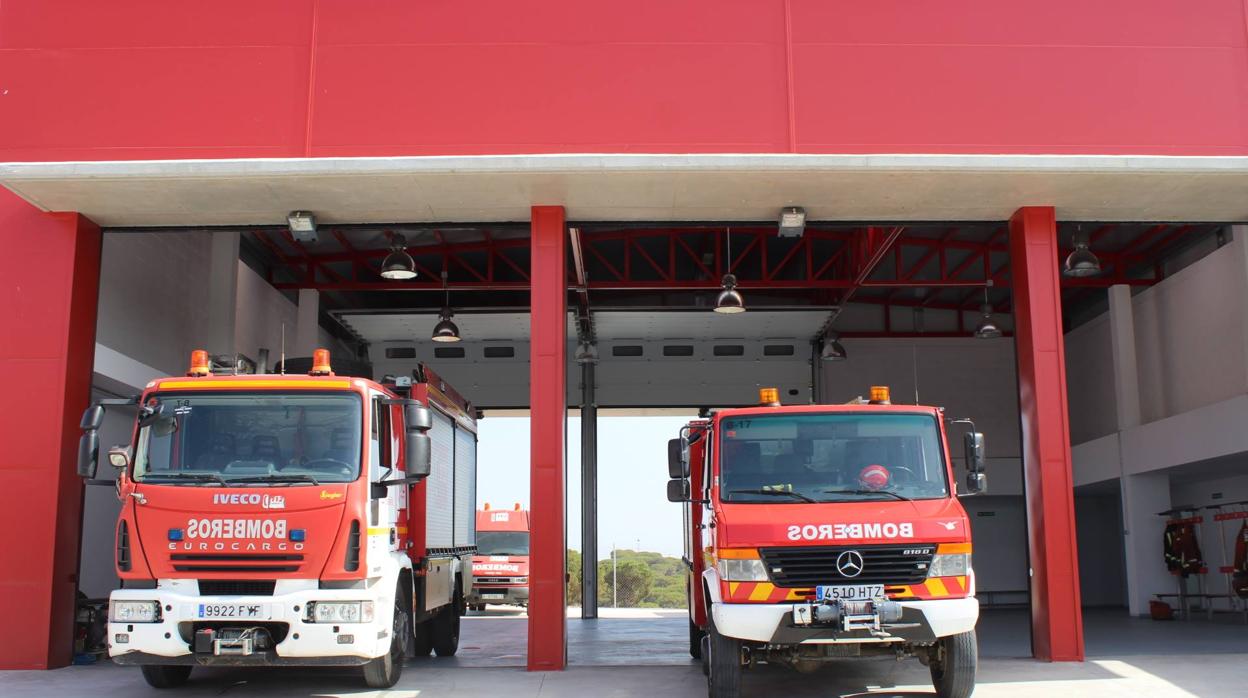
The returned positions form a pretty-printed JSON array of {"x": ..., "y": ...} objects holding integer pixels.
[{"x": 846, "y": 615}]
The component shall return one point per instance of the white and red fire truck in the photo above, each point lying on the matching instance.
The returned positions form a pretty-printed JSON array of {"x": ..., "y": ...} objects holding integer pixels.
[
  {"x": 273, "y": 520},
  {"x": 500, "y": 569},
  {"x": 816, "y": 533}
]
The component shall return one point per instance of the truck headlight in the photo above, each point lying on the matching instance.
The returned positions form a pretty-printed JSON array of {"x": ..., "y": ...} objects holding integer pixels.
[
  {"x": 950, "y": 565},
  {"x": 134, "y": 611},
  {"x": 342, "y": 612},
  {"x": 742, "y": 570}
]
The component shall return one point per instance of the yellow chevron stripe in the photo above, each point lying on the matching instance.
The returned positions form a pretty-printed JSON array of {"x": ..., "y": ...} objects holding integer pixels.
[
  {"x": 936, "y": 587},
  {"x": 732, "y": 588},
  {"x": 762, "y": 591}
]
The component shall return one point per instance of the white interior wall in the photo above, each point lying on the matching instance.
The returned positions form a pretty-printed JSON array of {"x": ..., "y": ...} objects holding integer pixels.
[{"x": 262, "y": 313}]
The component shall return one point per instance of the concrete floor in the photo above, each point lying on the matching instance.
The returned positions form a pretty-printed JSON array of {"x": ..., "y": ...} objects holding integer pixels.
[{"x": 635, "y": 655}]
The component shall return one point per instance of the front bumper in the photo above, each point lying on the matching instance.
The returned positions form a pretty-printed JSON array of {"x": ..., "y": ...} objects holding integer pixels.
[
  {"x": 309, "y": 644},
  {"x": 512, "y": 595},
  {"x": 921, "y": 621}
]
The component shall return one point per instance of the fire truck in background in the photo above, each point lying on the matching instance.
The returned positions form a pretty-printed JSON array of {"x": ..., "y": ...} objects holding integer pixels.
[
  {"x": 501, "y": 567},
  {"x": 818, "y": 532},
  {"x": 277, "y": 520}
]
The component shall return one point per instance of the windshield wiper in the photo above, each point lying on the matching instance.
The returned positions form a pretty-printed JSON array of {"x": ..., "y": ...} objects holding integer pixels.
[
  {"x": 894, "y": 495},
  {"x": 275, "y": 478},
  {"x": 195, "y": 477},
  {"x": 777, "y": 493}
]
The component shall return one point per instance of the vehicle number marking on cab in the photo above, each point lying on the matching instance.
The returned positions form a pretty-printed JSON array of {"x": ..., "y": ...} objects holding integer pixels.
[
  {"x": 233, "y": 610},
  {"x": 857, "y": 592}
]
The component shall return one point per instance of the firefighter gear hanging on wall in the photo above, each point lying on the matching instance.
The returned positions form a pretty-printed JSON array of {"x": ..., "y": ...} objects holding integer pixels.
[
  {"x": 1182, "y": 550},
  {"x": 1239, "y": 578}
]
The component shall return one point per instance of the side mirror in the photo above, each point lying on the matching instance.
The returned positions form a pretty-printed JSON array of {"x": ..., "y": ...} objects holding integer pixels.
[
  {"x": 88, "y": 453},
  {"x": 92, "y": 418},
  {"x": 677, "y": 459},
  {"x": 417, "y": 417},
  {"x": 976, "y": 483},
  {"x": 119, "y": 457},
  {"x": 419, "y": 454},
  {"x": 678, "y": 490},
  {"x": 975, "y": 458}
]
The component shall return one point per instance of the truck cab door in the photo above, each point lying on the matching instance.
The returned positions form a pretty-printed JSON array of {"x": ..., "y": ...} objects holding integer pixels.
[{"x": 383, "y": 512}]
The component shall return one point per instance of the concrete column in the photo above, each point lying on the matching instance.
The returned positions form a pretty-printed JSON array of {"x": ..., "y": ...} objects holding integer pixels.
[
  {"x": 222, "y": 292},
  {"x": 1239, "y": 238},
  {"x": 1142, "y": 495},
  {"x": 307, "y": 323}
]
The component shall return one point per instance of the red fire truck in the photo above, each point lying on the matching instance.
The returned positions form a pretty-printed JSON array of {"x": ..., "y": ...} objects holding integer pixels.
[
  {"x": 501, "y": 568},
  {"x": 276, "y": 520},
  {"x": 818, "y": 532}
]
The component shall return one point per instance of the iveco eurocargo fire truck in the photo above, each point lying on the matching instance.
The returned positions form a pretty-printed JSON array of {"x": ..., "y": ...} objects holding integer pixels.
[
  {"x": 819, "y": 532},
  {"x": 277, "y": 520},
  {"x": 501, "y": 567}
]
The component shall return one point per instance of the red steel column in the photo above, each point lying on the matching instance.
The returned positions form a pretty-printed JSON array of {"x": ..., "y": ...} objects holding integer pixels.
[
  {"x": 49, "y": 286},
  {"x": 548, "y": 398},
  {"x": 1056, "y": 619}
]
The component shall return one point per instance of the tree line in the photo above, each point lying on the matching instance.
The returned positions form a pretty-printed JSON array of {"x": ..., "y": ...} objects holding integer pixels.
[{"x": 644, "y": 580}]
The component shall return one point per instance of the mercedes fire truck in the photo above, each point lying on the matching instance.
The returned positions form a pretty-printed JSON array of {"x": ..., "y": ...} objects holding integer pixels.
[
  {"x": 815, "y": 533},
  {"x": 500, "y": 570},
  {"x": 279, "y": 520}
]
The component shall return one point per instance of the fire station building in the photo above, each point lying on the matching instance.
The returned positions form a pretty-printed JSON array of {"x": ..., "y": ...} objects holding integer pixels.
[{"x": 1029, "y": 213}]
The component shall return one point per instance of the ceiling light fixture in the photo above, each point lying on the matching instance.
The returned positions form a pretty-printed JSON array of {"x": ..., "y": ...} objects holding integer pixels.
[
  {"x": 729, "y": 300},
  {"x": 302, "y": 225},
  {"x": 832, "y": 349},
  {"x": 987, "y": 327},
  {"x": 446, "y": 330},
  {"x": 1082, "y": 261},
  {"x": 398, "y": 265},
  {"x": 792, "y": 222}
]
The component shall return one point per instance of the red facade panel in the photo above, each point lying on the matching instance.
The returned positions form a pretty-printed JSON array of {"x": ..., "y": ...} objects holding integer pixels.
[
  {"x": 389, "y": 77},
  {"x": 47, "y": 349}
]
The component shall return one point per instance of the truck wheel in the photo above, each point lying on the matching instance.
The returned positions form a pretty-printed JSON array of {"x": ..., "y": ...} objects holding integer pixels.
[
  {"x": 445, "y": 627},
  {"x": 165, "y": 676},
  {"x": 422, "y": 638},
  {"x": 724, "y": 664},
  {"x": 953, "y": 669},
  {"x": 384, "y": 671},
  {"x": 695, "y": 640}
]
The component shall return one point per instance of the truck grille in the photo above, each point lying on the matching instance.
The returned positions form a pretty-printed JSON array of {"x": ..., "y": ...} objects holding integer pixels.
[
  {"x": 236, "y": 587},
  {"x": 815, "y": 565},
  {"x": 234, "y": 562}
]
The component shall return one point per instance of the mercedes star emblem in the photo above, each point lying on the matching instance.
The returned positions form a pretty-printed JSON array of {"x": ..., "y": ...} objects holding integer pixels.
[{"x": 849, "y": 563}]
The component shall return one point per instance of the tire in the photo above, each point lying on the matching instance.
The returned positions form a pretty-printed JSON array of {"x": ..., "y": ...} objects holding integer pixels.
[
  {"x": 384, "y": 671},
  {"x": 445, "y": 626},
  {"x": 422, "y": 638},
  {"x": 723, "y": 664},
  {"x": 695, "y": 640},
  {"x": 953, "y": 674},
  {"x": 165, "y": 675}
]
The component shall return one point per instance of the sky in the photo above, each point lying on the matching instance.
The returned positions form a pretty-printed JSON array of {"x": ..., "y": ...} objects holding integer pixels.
[{"x": 633, "y": 511}]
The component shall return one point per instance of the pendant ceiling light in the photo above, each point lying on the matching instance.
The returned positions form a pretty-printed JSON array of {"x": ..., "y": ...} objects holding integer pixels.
[
  {"x": 398, "y": 265},
  {"x": 446, "y": 330},
  {"x": 987, "y": 327},
  {"x": 1082, "y": 261},
  {"x": 832, "y": 349},
  {"x": 729, "y": 299}
]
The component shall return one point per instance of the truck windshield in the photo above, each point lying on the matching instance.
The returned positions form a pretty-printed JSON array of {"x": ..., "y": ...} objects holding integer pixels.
[
  {"x": 797, "y": 458},
  {"x": 503, "y": 542},
  {"x": 215, "y": 439}
]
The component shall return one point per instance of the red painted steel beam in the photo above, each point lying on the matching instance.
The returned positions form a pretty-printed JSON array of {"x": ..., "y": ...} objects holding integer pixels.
[
  {"x": 875, "y": 247},
  {"x": 1056, "y": 618},
  {"x": 547, "y": 411},
  {"x": 46, "y": 358}
]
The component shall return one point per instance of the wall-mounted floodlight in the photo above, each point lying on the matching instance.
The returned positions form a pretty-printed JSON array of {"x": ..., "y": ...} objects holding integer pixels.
[
  {"x": 792, "y": 222},
  {"x": 302, "y": 225}
]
